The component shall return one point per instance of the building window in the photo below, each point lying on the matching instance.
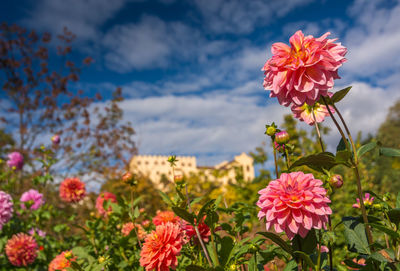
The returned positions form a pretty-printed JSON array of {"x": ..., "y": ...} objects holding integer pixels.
[
  {"x": 248, "y": 168},
  {"x": 189, "y": 164},
  {"x": 158, "y": 173},
  {"x": 138, "y": 162},
  {"x": 183, "y": 164},
  {"x": 155, "y": 163},
  {"x": 146, "y": 163},
  {"x": 162, "y": 163}
]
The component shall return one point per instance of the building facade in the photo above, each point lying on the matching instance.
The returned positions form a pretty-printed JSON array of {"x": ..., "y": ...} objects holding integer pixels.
[{"x": 156, "y": 166}]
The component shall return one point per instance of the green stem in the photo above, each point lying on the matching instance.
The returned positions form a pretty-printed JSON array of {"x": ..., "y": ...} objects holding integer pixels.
[
  {"x": 287, "y": 158},
  {"x": 275, "y": 160}
]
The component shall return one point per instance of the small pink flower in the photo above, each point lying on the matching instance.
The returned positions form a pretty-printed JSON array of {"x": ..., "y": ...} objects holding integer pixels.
[
  {"x": 324, "y": 249},
  {"x": 37, "y": 231},
  {"x": 6, "y": 208},
  {"x": 305, "y": 113},
  {"x": 21, "y": 249},
  {"x": 15, "y": 160},
  {"x": 368, "y": 200},
  {"x": 34, "y": 197},
  {"x": 295, "y": 203},
  {"x": 105, "y": 196},
  {"x": 305, "y": 70}
]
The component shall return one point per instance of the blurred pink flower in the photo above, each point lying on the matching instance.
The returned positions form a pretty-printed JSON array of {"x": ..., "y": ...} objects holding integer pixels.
[
  {"x": 72, "y": 190},
  {"x": 55, "y": 139},
  {"x": 15, "y": 160},
  {"x": 6, "y": 208},
  {"x": 105, "y": 196},
  {"x": 37, "y": 231},
  {"x": 128, "y": 227},
  {"x": 34, "y": 197},
  {"x": 21, "y": 249},
  {"x": 295, "y": 203},
  {"x": 161, "y": 248},
  {"x": 368, "y": 200},
  {"x": 305, "y": 113},
  {"x": 190, "y": 231},
  {"x": 304, "y": 71}
]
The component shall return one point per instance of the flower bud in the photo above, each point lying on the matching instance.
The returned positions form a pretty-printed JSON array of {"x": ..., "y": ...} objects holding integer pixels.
[
  {"x": 271, "y": 130},
  {"x": 279, "y": 148},
  {"x": 129, "y": 178},
  {"x": 282, "y": 137},
  {"x": 102, "y": 259},
  {"x": 55, "y": 139},
  {"x": 336, "y": 181}
]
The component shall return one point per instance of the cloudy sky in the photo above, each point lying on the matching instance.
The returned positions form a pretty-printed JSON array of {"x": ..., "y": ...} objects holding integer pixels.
[{"x": 191, "y": 69}]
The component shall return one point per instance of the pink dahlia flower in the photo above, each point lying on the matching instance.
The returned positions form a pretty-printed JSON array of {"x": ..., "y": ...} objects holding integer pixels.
[
  {"x": 15, "y": 160},
  {"x": 164, "y": 217},
  {"x": 305, "y": 70},
  {"x": 72, "y": 190},
  {"x": 295, "y": 203},
  {"x": 62, "y": 261},
  {"x": 6, "y": 208},
  {"x": 105, "y": 196},
  {"x": 34, "y": 197},
  {"x": 128, "y": 227},
  {"x": 37, "y": 231},
  {"x": 21, "y": 249},
  {"x": 161, "y": 248},
  {"x": 368, "y": 200},
  {"x": 305, "y": 113}
]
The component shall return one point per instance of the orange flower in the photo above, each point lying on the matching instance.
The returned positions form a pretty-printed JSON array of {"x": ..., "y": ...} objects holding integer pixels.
[
  {"x": 21, "y": 249},
  {"x": 128, "y": 227},
  {"x": 164, "y": 217},
  {"x": 72, "y": 190},
  {"x": 62, "y": 261},
  {"x": 162, "y": 247}
]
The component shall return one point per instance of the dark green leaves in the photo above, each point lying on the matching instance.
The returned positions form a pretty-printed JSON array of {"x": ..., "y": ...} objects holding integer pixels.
[
  {"x": 354, "y": 232},
  {"x": 306, "y": 244},
  {"x": 389, "y": 152},
  {"x": 277, "y": 240},
  {"x": 366, "y": 148},
  {"x": 339, "y": 95},
  {"x": 319, "y": 162},
  {"x": 185, "y": 215}
]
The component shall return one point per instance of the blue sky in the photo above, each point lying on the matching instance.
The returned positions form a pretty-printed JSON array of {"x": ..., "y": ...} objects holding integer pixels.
[{"x": 191, "y": 70}]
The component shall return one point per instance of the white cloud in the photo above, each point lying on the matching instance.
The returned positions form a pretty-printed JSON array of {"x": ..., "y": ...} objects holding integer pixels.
[
  {"x": 83, "y": 18},
  {"x": 236, "y": 16}
]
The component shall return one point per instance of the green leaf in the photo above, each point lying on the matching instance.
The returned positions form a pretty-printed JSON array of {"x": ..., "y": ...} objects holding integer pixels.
[
  {"x": 366, "y": 148},
  {"x": 339, "y": 95},
  {"x": 354, "y": 232},
  {"x": 385, "y": 229},
  {"x": 307, "y": 244},
  {"x": 182, "y": 213},
  {"x": 305, "y": 257},
  {"x": 389, "y": 152},
  {"x": 291, "y": 266},
  {"x": 341, "y": 146},
  {"x": 394, "y": 216},
  {"x": 277, "y": 240},
  {"x": 398, "y": 200},
  {"x": 343, "y": 157},
  {"x": 166, "y": 199},
  {"x": 136, "y": 212},
  {"x": 226, "y": 249},
  {"x": 195, "y": 200},
  {"x": 318, "y": 162},
  {"x": 203, "y": 209}
]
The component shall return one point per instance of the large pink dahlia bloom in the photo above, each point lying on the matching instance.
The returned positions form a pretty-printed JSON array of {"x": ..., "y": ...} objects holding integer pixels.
[
  {"x": 161, "y": 248},
  {"x": 6, "y": 208},
  {"x": 295, "y": 203},
  {"x": 305, "y": 70},
  {"x": 21, "y": 249},
  {"x": 34, "y": 197}
]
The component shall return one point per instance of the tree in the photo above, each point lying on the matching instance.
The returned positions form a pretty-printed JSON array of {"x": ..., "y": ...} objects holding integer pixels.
[{"x": 40, "y": 100}]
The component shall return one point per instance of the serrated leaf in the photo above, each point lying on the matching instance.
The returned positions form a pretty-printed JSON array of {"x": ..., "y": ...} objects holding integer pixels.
[
  {"x": 339, "y": 95},
  {"x": 390, "y": 152},
  {"x": 277, "y": 240},
  {"x": 182, "y": 213},
  {"x": 318, "y": 162},
  {"x": 366, "y": 148},
  {"x": 354, "y": 232}
]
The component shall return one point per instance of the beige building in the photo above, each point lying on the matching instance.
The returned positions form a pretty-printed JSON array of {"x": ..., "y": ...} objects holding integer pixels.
[{"x": 155, "y": 166}]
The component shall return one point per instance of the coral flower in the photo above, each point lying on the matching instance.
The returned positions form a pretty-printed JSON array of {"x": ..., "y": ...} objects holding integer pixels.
[
  {"x": 128, "y": 227},
  {"x": 161, "y": 248},
  {"x": 360, "y": 262},
  {"x": 62, "y": 261},
  {"x": 295, "y": 203},
  {"x": 21, "y": 249},
  {"x": 34, "y": 197},
  {"x": 367, "y": 200},
  {"x": 105, "y": 196},
  {"x": 305, "y": 70},
  {"x": 190, "y": 232},
  {"x": 305, "y": 113},
  {"x": 72, "y": 190},
  {"x": 15, "y": 160},
  {"x": 164, "y": 217},
  {"x": 6, "y": 208}
]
